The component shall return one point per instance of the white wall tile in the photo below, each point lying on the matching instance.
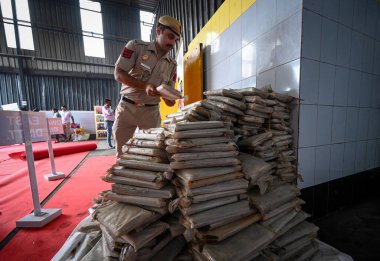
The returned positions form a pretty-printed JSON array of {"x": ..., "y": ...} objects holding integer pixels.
[
  {"x": 308, "y": 125},
  {"x": 216, "y": 73},
  {"x": 235, "y": 68},
  {"x": 314, "y": 5},
  {"x": 249, "y": 25},
  {"x": 330, "y": 9},
  {"x": 360, "y": 158},
  {"x": 349, "y": 159},
  {"x": 286, "y": 8},
  {"x": 266, "y": 50},
  {"x": 353, "y": 95},
  {"x": 224, "y": 73},
  {"x": 266, "y": 15},
  {"x": 326, "y": 84},
  {"x": 363, "y": 121},
  {"x": 376, "y": 62},
  {"x": 324, "y": 125},
  {"x": 371, "y": 16},
  {"x": 367, "y": 54},
  {"x": 351, "y": 124},
  {"x": 216, "y": 53},
  {"x": 346, "y": 12},
  {"x": 311, "y": 35},
  {"x": 357, "y": 41},
  {"x": 232, "y": 38},
  {"x": 360, "y": 20},
  {"x": 343, "y": 46},
  {"x": 249, "y": 82},
  {"x": 329, "y": 40},
  {"x": 339, "y": 124},
  {"x": 306, "y": 166},
  {"x": 342, "y": 80},
  {"x": 376, "y": 92},
  {"x": 309, "y": 80},
  {"x": 249, "y": 60},
  {"x": 371, "y": 155},
  {"x": 287, "y": 78},
  {"x": 374, "y": 82},
  {"x": 266, "y": 78},
  {"x": 322, "y": 164},
  {"x": 373, "y": 123},
  {"x": 235, "y": 85},
  {"x": 365, "y": 90},
  {"x": 288, "y": 43},
  {"x": 336, "y": 162}
]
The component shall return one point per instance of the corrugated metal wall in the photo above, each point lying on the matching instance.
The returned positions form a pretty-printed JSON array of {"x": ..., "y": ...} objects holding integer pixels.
[
  {"x": 193, "y": 14},
  {"x": 58, "y": 69}
]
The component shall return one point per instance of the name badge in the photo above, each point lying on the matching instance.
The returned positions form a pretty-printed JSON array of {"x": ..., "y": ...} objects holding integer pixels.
[{"x": 145, "y": 66}]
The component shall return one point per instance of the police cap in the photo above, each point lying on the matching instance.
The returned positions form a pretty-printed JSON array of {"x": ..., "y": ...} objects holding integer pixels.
[{"x": 172, "y": 23}]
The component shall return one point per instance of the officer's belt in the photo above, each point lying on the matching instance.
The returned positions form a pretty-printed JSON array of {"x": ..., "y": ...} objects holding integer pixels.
[{"x": 137, "y": 103}]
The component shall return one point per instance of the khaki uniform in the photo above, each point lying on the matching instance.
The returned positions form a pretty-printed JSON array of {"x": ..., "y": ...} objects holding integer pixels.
[{"x": 139, "y": 59}]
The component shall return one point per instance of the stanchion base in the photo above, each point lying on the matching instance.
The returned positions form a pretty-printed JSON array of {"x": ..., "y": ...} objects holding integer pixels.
[
  {"x": 52, "y": 176},
  {"x": 39, "y": 221}
]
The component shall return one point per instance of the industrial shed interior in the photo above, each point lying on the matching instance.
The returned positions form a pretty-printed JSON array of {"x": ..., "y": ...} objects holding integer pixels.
[{"x": 271, "y": 151}]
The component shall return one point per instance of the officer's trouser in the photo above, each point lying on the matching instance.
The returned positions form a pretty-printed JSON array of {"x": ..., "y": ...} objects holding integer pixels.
[{"x": 128, "y": 117}]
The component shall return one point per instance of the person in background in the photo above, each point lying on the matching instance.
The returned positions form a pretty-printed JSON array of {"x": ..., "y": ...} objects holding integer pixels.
[
  {"x": 56, "y": 115},
  {"x": 141, "y": 67},
  {"x": 109, "y": 118},
  {"x": 66, "y": 116}
]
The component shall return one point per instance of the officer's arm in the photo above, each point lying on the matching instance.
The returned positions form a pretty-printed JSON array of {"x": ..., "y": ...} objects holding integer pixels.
[{"x": 124, "y": 77}]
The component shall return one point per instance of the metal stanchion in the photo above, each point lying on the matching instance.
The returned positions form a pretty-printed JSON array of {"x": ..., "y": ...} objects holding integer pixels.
[
  {"x": 53, "y": 175},
  {"x": 39, "y": 217}
]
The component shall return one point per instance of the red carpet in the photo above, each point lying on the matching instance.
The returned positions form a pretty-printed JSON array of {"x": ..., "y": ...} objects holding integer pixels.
[
  {"x": 15, "y": 193},
  {"x": 74, "y": 198},
  {"x": 69, "y": 148}
]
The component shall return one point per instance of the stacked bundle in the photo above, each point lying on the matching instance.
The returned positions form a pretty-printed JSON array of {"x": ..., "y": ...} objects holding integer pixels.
[
  {"x": 129, "y": 232},
  {"x": 142, "y": 174},
  {"x": 230, "y": 103},
  {"x": 282, "y": 138},
  {"x": 210, "y": 186},
  {"x": 131, "y": 218},
  {"x": 273, "y": 141},
  {"x": 197, "y": 111}
]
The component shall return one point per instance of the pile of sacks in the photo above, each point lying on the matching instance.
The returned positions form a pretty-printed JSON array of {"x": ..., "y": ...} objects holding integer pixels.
[
  {"x": 187, "y": 191},
  {"x": 132, "y": 215},
  {"x": 210, "y": 186},
  {"x": 142, "y": 175}
]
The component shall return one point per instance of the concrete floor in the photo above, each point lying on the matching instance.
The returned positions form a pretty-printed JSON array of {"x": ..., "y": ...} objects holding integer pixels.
[{"x": 354, "y": 230}]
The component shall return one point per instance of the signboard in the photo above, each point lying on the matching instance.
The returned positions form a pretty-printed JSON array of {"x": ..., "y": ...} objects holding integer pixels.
[
  {"x": 11, "y": 131},
  {"x": 55, "y": 126}
]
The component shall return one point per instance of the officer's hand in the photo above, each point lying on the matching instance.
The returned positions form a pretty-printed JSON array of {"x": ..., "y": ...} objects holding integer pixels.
[{"x": 151, "y": 90}]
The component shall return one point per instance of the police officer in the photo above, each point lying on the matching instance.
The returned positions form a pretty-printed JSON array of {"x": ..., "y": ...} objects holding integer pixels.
[{"x": 141, "y": 67}]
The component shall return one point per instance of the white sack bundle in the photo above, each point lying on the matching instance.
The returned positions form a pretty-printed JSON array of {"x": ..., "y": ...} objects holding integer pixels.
[
  {"x": 224, "y": 92},
  {"x": 122, "y": 218},
  {"x": 165, "y": 192},
  {"x": 221, "y": 147},
  {"x": 230, "y": 101}
]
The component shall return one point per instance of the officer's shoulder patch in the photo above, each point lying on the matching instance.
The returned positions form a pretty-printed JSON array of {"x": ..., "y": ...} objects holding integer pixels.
[{"x": 127, "y": 53}]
